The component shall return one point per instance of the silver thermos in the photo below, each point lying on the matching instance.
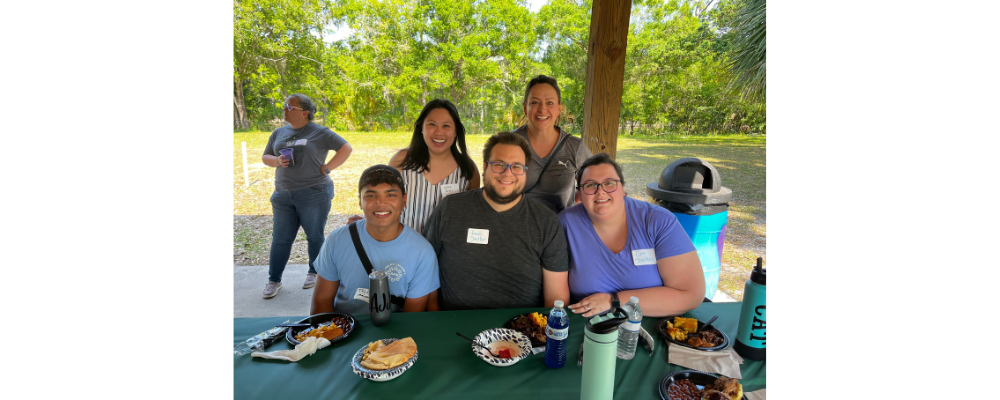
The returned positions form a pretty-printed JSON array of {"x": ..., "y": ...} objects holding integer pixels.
[{"x": 379, "y": 299}]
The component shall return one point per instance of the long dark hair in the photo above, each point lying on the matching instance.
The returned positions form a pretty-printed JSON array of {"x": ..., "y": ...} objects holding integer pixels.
[{"x": 418, "y": 156}]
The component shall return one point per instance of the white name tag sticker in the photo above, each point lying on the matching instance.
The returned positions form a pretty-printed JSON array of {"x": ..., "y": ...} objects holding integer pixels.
[
  {"x": 361, "y": 294},
  {"x": 449, "y": 188},
  {"x": 644, "y": 257},
  {"x": 478, "y": 236},
  {"x": 300, "y": 142}
]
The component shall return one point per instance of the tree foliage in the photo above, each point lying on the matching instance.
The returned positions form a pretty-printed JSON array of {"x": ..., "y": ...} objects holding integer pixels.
[
  {"x": 750, "y": 56},
  {"x": 479, "y": 54}
]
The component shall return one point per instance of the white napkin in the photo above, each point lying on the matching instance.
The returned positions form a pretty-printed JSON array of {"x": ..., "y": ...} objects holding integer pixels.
[
  {"x": 725, "y": 362},
  {"x": 306, "y": 348},
  {"x": 756, "y": 395}
]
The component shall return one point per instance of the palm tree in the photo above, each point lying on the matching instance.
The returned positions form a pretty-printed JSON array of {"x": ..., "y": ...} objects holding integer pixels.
[{"x": 749, "y": 61}]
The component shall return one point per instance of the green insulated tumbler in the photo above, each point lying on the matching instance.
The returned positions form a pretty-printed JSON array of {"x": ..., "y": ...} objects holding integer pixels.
[
  {"x": 751, "y": 338},
  {"x": 600, "y": 349}
]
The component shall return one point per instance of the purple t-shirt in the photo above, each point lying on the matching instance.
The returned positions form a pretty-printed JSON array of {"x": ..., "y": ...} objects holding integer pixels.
[{"x": 593, "y": 268}]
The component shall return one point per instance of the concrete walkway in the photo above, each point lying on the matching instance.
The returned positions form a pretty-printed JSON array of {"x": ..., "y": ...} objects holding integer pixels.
[
  {"x": 292, "y": 300},
  {"x": 248, "y": 285}
]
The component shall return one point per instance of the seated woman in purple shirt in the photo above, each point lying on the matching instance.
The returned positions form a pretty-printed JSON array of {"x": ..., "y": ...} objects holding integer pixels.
[{"x": 621, "y": 247}]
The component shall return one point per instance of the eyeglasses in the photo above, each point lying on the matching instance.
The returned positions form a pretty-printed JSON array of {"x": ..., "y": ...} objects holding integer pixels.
[
  {"x": 609, "y": 186},
  {"x": 289, "y": 107},
  {"x": 499, "y": 167}
]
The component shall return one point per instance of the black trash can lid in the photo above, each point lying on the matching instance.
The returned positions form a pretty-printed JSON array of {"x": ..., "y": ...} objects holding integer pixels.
[{"x": 690, "y": 181}]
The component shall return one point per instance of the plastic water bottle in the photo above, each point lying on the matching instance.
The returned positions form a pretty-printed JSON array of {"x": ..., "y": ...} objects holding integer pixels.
[
  {"x": 555, "y": 336},
  {"x": 628, "y": 333}
]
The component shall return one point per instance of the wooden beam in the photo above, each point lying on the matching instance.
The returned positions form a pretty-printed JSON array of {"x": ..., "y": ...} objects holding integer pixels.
[{"x": 602, "y": 100}]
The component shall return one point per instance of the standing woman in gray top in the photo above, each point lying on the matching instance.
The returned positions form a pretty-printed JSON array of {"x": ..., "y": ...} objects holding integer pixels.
[
  {"x": 436, "y": 164},
  {"x": 303, "y": 189},
  {"x": 555, "y": 154}
]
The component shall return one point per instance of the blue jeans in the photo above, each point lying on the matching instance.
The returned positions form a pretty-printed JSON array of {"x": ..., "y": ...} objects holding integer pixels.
[{"x": 308, "y": 208}]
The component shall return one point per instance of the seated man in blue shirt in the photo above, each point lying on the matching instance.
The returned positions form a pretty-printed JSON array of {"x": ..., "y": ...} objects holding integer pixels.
[{"x": 410, "y": 262}]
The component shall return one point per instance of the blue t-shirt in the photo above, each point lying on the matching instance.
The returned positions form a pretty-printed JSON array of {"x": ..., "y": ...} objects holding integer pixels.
[
  {"x": 408, "y": 259},
  {"x": 593, "y": 268}
]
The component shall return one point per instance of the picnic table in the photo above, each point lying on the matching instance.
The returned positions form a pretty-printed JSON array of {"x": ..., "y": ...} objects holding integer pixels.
[{"x": 446, "y": 366}]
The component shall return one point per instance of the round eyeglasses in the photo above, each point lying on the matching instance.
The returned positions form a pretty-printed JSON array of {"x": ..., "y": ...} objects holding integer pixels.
[
  {"x": 289, "y": 107},
  {"x": 499, "y": 167},
  {"x": 609, "y": 186}
]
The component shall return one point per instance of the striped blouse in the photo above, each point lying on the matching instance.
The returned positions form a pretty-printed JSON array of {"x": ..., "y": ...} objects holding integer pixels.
[{"x": 422, "y": 197}]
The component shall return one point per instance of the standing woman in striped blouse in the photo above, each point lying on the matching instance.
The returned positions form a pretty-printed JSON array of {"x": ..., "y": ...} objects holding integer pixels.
[{"x": 436, "y": 164}]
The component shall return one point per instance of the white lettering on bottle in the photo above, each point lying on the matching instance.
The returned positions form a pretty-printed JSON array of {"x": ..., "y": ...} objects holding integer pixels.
[{"x": 557, "y": 334}]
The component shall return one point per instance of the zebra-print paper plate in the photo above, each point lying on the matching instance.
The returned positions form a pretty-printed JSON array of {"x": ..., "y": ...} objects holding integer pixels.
[{"x": 497, "y": 338}]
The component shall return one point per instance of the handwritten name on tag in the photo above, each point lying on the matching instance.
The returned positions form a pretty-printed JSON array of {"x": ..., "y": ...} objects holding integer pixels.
[
  {"x": 449, "y": 188},
  {"x": 644, "y": 257},
  {"x": 478, "y": 236},
  {"x": 361, "y": 294}
]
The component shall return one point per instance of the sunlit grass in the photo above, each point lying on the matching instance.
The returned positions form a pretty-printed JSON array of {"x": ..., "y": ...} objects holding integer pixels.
[{"x": 740, "y": 160}]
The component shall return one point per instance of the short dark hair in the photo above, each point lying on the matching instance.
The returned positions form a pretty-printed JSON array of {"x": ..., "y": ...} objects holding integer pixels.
[
  {"x": 542, "y": 79},
  {"x": 598, "y": 159},
  {"x": 378, "y": 174},
  {"x": 417, "y": 156},
  {"x": 508, "y": 138},
  {"x": 305, "y": 103}
]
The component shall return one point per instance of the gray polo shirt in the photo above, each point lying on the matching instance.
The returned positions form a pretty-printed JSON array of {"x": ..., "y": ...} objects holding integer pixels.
[{"x": 556, "y": 189}]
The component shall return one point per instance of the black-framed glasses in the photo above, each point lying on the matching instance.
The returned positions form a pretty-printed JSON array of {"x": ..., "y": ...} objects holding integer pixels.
[
  {"x": 609, "y": 186},
  {"x": 498, "y": 167},
  {"x": 289, "y": 107}
]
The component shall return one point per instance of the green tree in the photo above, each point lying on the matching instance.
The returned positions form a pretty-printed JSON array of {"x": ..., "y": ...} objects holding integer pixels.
[
  {"x": 277, "y": 47},
  {"x": 403, "y": 54},
  {"x": 564, "y": 32},
  {"x": 749, "y": 61}
]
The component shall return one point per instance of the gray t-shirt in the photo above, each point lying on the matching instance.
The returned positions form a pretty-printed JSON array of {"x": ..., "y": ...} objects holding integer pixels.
[
  {"x": 557, "y": 187},
  {"x": 506, "y": 271},
  {"x": 312, "y": 144}
]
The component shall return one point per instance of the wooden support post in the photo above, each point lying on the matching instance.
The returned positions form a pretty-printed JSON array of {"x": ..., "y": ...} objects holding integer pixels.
[{"x": 602, "y": 100}]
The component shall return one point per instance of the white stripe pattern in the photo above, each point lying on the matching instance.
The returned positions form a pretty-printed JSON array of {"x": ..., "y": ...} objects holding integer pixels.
[{"x": 422, "y": 197}]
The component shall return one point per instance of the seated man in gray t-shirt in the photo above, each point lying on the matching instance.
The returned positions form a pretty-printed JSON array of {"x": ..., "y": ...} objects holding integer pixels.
[{"x": 497, "y": 248}]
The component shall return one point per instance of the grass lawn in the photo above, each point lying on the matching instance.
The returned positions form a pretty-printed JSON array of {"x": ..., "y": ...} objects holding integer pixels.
[{"x": 740, "y": 160}]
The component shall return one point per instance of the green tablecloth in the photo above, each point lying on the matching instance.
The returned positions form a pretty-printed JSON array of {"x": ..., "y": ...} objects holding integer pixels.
[{"x": 446, "y": 366}]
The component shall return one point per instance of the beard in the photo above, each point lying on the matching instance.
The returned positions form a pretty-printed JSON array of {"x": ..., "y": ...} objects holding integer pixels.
[{"x": 491, "y": 192}]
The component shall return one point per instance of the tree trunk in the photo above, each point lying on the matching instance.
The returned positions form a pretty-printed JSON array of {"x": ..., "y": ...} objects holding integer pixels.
[
  {"x": 423, "y": 87},
  {"x": 239, "y": 107}
]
